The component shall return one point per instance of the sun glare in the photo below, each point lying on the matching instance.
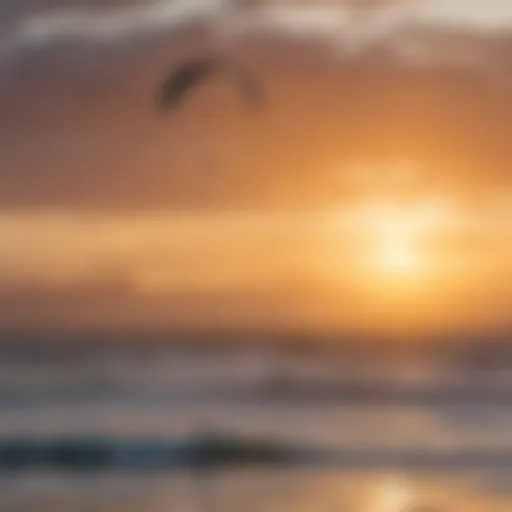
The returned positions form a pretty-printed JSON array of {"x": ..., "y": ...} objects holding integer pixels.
[
  {"x": 394, "y": 237},
  {"x": 388, "y": 252}
]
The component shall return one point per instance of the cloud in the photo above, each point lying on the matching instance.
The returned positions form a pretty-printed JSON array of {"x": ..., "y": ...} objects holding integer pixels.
[
  {"x": 252, "y": 270},
  {"x": 79, "y": 131},
  {"x": 36, "y": 23},
  {"x": 113, "y": 303},
  {"x": 480, "y": 14},
  {"x": 105, "y": 23}
]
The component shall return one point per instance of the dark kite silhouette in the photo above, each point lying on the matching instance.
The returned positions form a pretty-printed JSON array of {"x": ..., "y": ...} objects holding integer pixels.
[{"x": 193, "y": 73}]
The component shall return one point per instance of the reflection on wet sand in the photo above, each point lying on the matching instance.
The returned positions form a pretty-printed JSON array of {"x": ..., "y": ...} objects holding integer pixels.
[{"x": 251, "y": 491}]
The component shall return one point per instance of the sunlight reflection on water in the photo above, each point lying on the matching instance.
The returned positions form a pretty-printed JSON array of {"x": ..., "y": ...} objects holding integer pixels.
[
  {"x": 250, "y": 491},
  {"x": 393, "y": 494}
]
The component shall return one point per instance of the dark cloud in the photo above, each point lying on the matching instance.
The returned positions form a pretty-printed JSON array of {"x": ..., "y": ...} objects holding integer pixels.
[
  {"x": 16, "y": 9},
  {"x": 115, "y": 303}
]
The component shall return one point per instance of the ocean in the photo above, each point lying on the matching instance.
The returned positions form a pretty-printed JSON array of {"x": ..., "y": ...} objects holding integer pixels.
[{"x": 409, "y": 435}]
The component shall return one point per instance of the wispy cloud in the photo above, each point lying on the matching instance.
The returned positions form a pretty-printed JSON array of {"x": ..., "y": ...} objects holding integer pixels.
[
  {"x": 329, "y": 20},
  {"x": 481, "y": 14},
  {"x": 105, "y": 24}
]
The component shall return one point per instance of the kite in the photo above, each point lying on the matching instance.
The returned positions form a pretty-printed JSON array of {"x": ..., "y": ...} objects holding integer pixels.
[{"x": 190, "y": 75}]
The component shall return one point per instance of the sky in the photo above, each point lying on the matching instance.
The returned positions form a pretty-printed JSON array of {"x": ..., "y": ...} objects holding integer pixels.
[{"x": 371, "y": 190}]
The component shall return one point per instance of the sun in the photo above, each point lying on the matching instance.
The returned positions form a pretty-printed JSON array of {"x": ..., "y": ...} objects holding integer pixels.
[
  {"x": 389, "y": 246},
  {"x": 394, "y": 239},
  {"x": 392, "y": 258}
]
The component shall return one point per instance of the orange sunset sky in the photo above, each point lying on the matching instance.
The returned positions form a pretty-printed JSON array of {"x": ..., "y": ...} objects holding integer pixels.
[{"x": 372, "y": 189}]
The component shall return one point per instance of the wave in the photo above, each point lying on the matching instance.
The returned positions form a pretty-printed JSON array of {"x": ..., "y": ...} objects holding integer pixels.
[{"x": 215, "y": 452}]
